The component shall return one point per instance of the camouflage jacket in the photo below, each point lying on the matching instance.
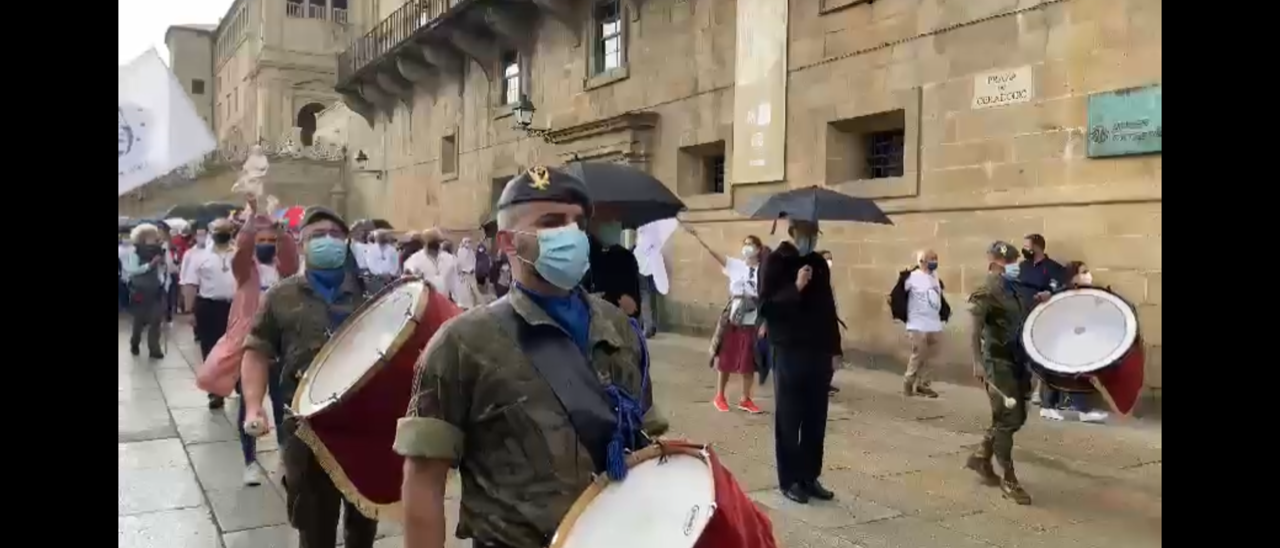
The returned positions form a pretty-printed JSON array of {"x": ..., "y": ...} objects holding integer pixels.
[
  {"x": 293, "y": 324},
  {"x": 478, "y": 401},
  {"x": 998, "y": 311}
]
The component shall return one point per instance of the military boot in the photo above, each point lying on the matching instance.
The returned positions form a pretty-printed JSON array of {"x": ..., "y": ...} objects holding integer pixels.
[
  {"x": 980, "y": 462},
  {"x": 1012, "y": 489}
]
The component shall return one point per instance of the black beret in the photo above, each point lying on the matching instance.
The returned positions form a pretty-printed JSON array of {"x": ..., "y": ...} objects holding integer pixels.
[
  {"x": 320, "y": 213},
  {"x": 545, "y": 184},
  {"x": 1004, "y": 251}
]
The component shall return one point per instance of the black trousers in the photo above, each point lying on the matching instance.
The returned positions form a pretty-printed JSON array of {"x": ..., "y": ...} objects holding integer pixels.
[
  {"x": 313, "y": 501},
  {"x": 801, "y": 379},
  {"x": 211, "y": 323}
]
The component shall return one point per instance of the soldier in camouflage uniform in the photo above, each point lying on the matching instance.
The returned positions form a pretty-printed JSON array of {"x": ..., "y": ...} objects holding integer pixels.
[
  {"x": 296, "y": 318},
  {"x": 481, "y": 405},
  {"x": 997, "y": 317}
]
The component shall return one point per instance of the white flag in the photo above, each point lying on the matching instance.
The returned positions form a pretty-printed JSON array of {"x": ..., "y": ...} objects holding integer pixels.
[
  {"x": 159, "y": 127},
  {"x": 650, "y": 239}
]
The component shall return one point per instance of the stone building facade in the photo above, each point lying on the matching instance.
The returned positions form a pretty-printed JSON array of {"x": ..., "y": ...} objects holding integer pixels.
[
  {"x": 274, "y": 69},
  {"x": 191, "y": 60},
  {"x": 652, "y": 82}
]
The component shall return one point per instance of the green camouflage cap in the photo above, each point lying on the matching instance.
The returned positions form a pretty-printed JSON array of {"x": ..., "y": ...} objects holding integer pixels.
[
  {"x": 545, "y": 184},
  {"x": 1004, "y": 251},
  {"x": 320, "y": 213}
]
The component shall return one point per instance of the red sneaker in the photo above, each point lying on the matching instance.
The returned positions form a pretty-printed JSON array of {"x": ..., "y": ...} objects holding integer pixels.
[
  {"x": 749, "y": 406},
  {"x": 721, "y": 405}
]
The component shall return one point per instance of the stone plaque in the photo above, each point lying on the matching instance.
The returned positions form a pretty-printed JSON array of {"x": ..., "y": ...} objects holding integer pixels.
[
  {"x": 1003, "y": 87},
  {"x": 1125, "y": 122},
  {"x": 760, "y": 93}
]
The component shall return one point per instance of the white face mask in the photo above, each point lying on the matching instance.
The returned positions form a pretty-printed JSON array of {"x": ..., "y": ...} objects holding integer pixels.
[
  {"x": 749, "y": 251},
  {"x": 830, "y": 263},
  {"x": 1085, "y": 279}
]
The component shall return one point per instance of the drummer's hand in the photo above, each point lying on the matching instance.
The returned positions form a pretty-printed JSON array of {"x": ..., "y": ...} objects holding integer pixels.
[
  {"x": 762, "y": 332},
  {"x": 254, "y": 416},
  {"x": 1042, "y": 296},
  {"x": 627, "y": 304}
]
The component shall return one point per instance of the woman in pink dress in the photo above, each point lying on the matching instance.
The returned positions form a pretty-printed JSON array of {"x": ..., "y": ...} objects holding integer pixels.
[{"x": 264, "y": 255}]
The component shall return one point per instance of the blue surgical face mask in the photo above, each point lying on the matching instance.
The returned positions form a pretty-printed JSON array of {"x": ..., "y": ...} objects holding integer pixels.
[
  {"x": 265, "y": 252},
  {"x": 1011, "y": 270},
  {"x": 326, "y": 252},
  {"x": 805, "y": 243},
  {"x": 931, "y": 265},
  {"x": 609, "y": 233},
  {"x": 563, "y": 255}
]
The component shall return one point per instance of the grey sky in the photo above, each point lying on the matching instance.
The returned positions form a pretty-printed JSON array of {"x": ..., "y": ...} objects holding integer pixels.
[{"x": 142, "y": 23}]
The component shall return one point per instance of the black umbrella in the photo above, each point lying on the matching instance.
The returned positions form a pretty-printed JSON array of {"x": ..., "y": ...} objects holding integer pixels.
[
  {"x": 815, "y": 204},
  {"x": 206, "y": 212},
  {"x": 637, "y": 197}
]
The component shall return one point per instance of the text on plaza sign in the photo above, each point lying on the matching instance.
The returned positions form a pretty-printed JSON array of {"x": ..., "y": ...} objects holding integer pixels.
[{"x": 1003, "y": 87}]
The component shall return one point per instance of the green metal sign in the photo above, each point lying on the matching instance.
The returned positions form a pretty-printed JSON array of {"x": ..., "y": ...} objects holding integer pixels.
[{"x": 1125, "y": 122}]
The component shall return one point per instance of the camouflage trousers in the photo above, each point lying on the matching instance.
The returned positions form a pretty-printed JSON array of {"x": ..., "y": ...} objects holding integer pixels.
[{"x": 1015, "y": 382}]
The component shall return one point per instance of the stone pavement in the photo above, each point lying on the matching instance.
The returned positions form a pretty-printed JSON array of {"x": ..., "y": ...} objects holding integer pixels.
[{"x": 895, "y": 463}]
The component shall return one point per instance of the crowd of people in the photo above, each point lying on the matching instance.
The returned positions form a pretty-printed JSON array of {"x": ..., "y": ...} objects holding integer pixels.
[{"x": 265, "y": 299}]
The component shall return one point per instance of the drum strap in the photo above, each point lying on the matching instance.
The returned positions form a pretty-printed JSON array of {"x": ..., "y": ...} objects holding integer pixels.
[{"x": 567, "y": 371}]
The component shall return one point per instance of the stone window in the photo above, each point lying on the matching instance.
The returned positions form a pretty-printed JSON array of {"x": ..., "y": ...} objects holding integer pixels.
[
  {"x": 701, "y": 169},
  {"x": 828, "y": 6},
  {"x": 449, "y": 155},
  {"x": 197, "y": 86},
  {"x": 866, "y": 147},
  {"x": 608, "y": 37},
  {"x": 511, "y": 84}
]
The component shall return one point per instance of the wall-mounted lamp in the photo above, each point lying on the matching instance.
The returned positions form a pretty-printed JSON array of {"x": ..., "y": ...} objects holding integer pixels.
[
  {"x": 523, "y": 111},
  {"x": 361, "y": 159}
]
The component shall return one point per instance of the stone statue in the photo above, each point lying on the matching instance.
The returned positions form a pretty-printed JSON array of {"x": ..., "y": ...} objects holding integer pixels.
[{"x": 251, "y": 174}]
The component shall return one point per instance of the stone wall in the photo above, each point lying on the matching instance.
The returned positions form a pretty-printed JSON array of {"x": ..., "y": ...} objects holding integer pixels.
[
  {"x": 979, "y": 175},
  {"x": 294, "y": 182}
]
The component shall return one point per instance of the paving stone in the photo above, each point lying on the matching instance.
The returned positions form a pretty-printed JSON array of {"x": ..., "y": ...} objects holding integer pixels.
[
  {"x": 907, "y": 532},
  {"x": 793, "y": 533},
  {"x": 844, "y": 511},
  {"x": 152, "y": 489},
  {"x": 247, "y": 508},
  {"x": 140, "y": 420},
  {"x": 277, "y": 536},
  {"x": 180, "y": 394},
  {"x": 189, "y": 528},
  {"x": 197, "y": 425},
  {"x": 164, "y": 453},
  {"x": 220, "y": 465}
]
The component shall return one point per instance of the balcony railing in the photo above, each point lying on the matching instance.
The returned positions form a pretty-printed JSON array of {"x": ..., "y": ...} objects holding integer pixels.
[
  {"x": 316, "y": 12},
  {"x": 294, "y": 10},
  {"x": 339, "y": 16},
  {"x": 399, "y": 27}
]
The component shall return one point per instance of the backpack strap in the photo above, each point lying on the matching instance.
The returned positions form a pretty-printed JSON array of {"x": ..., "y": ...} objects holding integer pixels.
[{"x": 562, "y": 365}]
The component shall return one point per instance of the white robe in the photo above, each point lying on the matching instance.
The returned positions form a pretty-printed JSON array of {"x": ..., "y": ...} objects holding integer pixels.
[
  {"x": 466, "y": 290},
  {"x": 441, "y": 272}
]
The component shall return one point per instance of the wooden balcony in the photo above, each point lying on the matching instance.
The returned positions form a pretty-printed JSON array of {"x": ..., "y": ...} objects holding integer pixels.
[{"x": 427, "y": 40}]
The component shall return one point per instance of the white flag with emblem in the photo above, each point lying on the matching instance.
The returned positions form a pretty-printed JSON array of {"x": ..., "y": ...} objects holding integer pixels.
[{"x": 159, "y": 127}]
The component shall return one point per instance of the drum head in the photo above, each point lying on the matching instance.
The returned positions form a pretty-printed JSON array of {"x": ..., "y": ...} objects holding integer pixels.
[
  {"x": 376, "y": 330},
  {"x": 1080, "y": 331},
  {"x": 661, "y": 504}
]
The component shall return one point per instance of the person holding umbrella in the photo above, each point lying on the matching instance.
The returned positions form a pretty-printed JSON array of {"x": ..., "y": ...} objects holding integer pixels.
[{"x": 799, "y": 310}]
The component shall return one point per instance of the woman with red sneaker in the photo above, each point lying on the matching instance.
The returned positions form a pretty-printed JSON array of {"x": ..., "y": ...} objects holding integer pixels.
[{"x": 733, "y": 346}]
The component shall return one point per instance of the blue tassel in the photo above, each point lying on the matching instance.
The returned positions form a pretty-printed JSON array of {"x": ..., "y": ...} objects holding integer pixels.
[{"x": 625, "y": 433}]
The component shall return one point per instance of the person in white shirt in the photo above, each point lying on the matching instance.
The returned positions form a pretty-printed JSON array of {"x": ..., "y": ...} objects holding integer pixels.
[
  {"x": 123, "y": 250},
  {"x": 467, "y": 293},
  {"x": 360, "y": 244},
  {"x": 208, "y": 286},
  {"x": 145, "y": 269},
  {"x": 924, "y": 323},
  {"x": 382, "y": 260},
  {"x": 733, "y": 346},
  {"x": 434, "y": 265}
]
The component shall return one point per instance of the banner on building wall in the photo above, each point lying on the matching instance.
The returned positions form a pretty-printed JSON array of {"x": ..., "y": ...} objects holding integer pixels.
[
  {"x": 159, "y": 128},
  {"x": 760, "y": 92}
]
